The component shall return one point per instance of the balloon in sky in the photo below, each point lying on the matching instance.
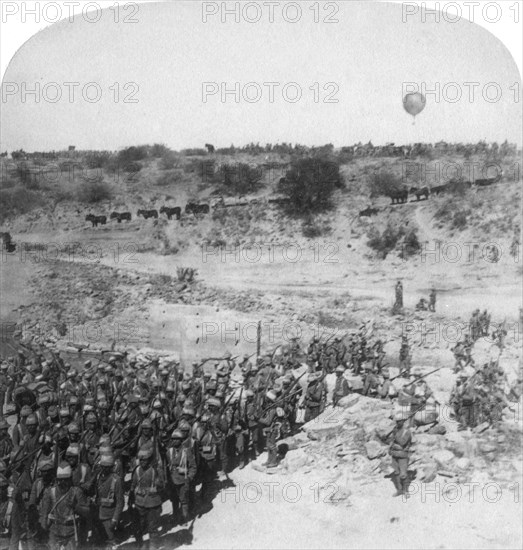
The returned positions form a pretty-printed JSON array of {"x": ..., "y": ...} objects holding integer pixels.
[{"x": 414, "y": 103}]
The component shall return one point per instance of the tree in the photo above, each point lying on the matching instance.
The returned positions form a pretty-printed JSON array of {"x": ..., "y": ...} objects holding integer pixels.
[{"x": 309, "y": 184}]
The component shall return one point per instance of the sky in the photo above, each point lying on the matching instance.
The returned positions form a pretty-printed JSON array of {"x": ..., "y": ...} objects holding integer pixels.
[{"x": 144, "y": 81}]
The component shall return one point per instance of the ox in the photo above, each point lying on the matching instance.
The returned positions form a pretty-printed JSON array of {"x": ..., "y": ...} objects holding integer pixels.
[
  {"x": 368, "y": 212},
  {"x": 195, "y": 208},
  {"x": 170, "y": 212},
  {"x": 148, "y": 214},
  {"x": 420, "y": 192},
  {"x": 95, "y": 220}
]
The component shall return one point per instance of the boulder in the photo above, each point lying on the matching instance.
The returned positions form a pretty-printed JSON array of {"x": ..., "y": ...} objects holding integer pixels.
[
  {"x": 488, "y": 447},
  {"x": 374, "y": 450},
  {"x": 349, "y": 400},
  {"x": 425, "y": 439},
  {"x": 439, "y": 429},
  {"x": 294, "y": 460},
  {"x": 384, "y": 427},
  {"x": 443, "y": 457},
  {"x": 463, "y": 463},
  {"x": 429, "y": 472}
]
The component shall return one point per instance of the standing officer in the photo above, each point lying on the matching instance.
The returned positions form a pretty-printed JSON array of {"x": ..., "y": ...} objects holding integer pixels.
[
  {"x": 182, "y": 469},
  {"x": 399, "y": 450},
  {"x": 147, "y": 484},
  {"x": 109, "y": 500}
]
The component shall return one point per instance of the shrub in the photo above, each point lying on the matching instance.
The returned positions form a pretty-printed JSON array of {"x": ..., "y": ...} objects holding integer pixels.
[
  {"x": 169, "y": 160},
  {"x": 383, "y": 243},
  {"x": 98, "y": 159},
  {"x": 313, "y": 228},
  {"x": 195, "y": 152},
  {"x": 239, "y": 179},
  {"x": 169, "y": 178},
  {"x": 459, "y": 220},
  {"x": 384, "y": 183},
  {"x": 93, "y": 192},
  {"x": 160, "y": 150},
  {"x": 411, "y": 245},
  {"x": 309, "y": 185},
  {"x": 17, "y": 200}
]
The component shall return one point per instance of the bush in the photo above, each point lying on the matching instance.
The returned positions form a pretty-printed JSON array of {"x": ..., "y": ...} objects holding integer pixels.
[
  {"x": 309, "y": 185},
  {"x": 383, "y": 243},
  {"x": 411, "y": 245},
  {"x": 98, "y": 159},
  {"x": 459, "y": 220},
  {"x": 169, "y": 160},
  {"x": 17, "y": 200},
  {"x": 94, "y": 192},
  {"x": 171, "y": 177},
  {"x": 384, "y": 183},
  {"x": 160, "y": 150},
  {"x": 313, "y": 228},
  {"x": 239, "y": 179},
  {"x": 132, "y": 154},
  {"x": 132, "y": 167},
  {"x": 194, "y": 152}
]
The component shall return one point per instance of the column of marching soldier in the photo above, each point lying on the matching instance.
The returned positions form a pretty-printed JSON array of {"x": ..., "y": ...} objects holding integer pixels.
[{"x": 64, "y": 464}]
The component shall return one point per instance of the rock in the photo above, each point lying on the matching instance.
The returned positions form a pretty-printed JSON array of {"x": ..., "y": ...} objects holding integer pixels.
[
  {"x": 295, "y": 460},
  {"x": 348, "y": 400},
  {"x": 296, "y": 441},
  {"x": 439, "y": 429},
  {"x": 463, "y": 463},
  {"x": 487, "y": 447},
  {"x": 459, "y": 448},
  {"x": 443, "y": 457},
  {"x": 425, "y": 439},
  {"x": 384, "y": 427},
  {"x": 482, "y": 427},
  {"x": 429, "y": 473},
  {"x": 374, "y": 450}
]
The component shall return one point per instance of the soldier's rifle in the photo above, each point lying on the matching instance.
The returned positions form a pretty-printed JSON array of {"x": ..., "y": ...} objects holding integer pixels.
[
  {"x": 236, "y": 406},
  {"x": 18, "y": 460},
  {"x": 418, "y": 378},
  {"x": 285, "y": 395}
]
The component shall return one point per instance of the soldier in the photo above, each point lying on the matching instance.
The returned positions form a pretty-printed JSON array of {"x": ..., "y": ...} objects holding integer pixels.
[
  {"x": 208, "y": 464},
  {"x": 11, "y": 516},
  {"x": 341, "y": 350},
  {"x": 109, "y": 500},
  {"x": 313, "y": 349},
  {"x": 405, "y": 358},
  {"x": 341, "y": 387},
  {"x": 6, "y": 443},
  {"x": 467, "y": 404},
  {"x": 37, "y": 535},
  {"x": 91, "y": 437},
  {"x": 314, "y": 396},
  {"x": 432, "y": 299},
  {"x": 82, "y": 478},
  {"x": 20, "y": 428},
  {"x": 398, "y": 305},
  {"x": 146, "y": 439},
  {"x": 273, "y": 421},
  {"x": 245, "y": 365},
  {"x": 59, "y": 508},
  {"x": 399, "y": 451},
  {"x": 371, "y": 381},
  {"x": 147, "y": 484},
  {"x": 4, "y": 384},
  {"x": 219, "y": 423},
  {"x": 386, "y": 388},
  {"x": 182, "y": 470}
]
